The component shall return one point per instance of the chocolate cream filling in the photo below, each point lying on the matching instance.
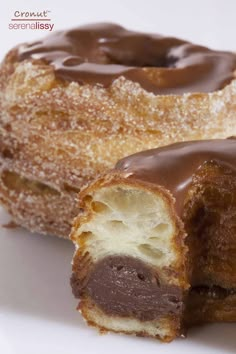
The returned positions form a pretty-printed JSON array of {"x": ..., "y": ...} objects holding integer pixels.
[
  {"x": 127, "y": 287},
  {"x": 100, "y": 53}
]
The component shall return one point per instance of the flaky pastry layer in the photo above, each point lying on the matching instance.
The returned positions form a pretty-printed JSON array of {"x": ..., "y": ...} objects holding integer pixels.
[{"x": 59, "y": 135}]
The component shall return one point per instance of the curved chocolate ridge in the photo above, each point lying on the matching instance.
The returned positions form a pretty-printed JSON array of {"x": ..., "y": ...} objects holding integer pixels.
[
  {"x": 100, "y": 53},
  {"x": 129, "y": 288},
  {"x": 173, "y": 166}
]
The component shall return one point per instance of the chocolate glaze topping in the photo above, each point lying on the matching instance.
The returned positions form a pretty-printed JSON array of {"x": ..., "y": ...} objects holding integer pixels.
[
  {"x": 173, "y": 166},
  {"x": 125, "y": 286},
  {"x": 100, "y": 53}
]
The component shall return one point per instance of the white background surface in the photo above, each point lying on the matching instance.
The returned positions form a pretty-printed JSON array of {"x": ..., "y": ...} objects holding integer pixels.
[{"x": 37, "y": 310}]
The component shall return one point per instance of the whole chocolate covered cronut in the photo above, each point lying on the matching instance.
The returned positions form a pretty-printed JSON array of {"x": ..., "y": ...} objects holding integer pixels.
[
  {"x": 156, "y": 242},
  {"x": 75, "y": 102}
]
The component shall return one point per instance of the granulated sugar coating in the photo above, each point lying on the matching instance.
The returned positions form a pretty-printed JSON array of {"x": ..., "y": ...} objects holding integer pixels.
[{"x": 57, "y": 135}]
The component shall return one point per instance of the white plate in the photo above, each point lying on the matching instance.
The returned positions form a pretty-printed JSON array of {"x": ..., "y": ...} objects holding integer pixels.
[{"x": 37, "y": 309}]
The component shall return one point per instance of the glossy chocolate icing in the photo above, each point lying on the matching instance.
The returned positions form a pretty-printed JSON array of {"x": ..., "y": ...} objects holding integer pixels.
[
  {"x": 100, "y": 53},
  {"x": 125, "y": 286},
  {"x": 173, "y": 166}
]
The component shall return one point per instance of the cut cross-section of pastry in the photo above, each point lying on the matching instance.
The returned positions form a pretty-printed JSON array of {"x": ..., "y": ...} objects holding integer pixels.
[
  {"x": 130, "y": 267},
  {"x": 134, "y": 265},
  {"x": 77, "y": 101}
]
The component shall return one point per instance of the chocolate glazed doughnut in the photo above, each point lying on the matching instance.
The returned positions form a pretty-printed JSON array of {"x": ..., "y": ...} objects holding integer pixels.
[
  {"x": 159, "y": 230},
  {"x": 75, "y": 102}
]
